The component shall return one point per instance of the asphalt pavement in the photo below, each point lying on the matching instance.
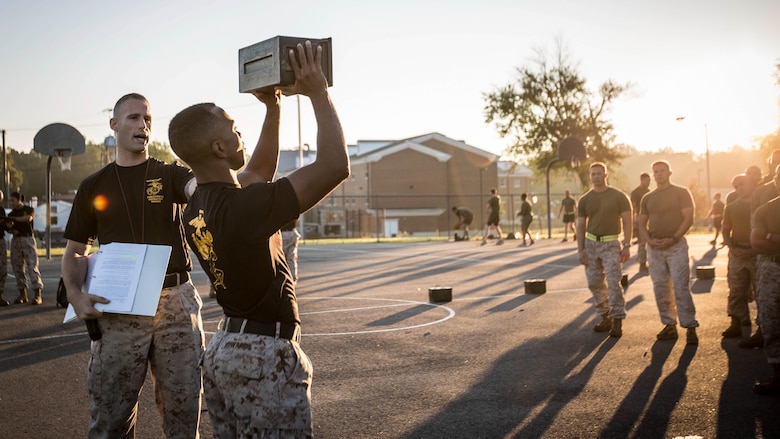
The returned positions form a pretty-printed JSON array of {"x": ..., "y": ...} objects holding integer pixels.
[{"x": 494, "y": 362}]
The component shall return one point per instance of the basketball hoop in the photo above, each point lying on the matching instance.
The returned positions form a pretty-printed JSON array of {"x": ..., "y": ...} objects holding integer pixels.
[{"x": 63, "y": 156}]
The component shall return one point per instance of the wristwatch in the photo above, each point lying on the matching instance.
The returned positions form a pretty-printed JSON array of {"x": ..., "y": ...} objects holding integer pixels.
[{"x": 626, "y": 244}]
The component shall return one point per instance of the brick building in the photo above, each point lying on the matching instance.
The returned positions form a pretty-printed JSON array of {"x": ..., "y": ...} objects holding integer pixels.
[{"x": 403, "y": 187}]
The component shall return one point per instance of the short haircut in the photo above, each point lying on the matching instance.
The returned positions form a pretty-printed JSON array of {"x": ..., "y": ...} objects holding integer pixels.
[
  {"x": 523, "y": 196},
  {"x": 662, "y": 162},
  {"x": 601, "y": 165},
  {"x": 191, "y": 129},
  {"x": 644, "y": 175},
  {"x": 126, "y": 98},
  {"x": 19, "y": 196}
]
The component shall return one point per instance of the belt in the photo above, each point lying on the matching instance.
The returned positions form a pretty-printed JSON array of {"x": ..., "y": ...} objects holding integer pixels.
[
  {"x": 275, "y": 329},
  {"x": 772, "y": 258},
  {"x": 602, "y": 238},
  {"x": 174, "y": 279}
]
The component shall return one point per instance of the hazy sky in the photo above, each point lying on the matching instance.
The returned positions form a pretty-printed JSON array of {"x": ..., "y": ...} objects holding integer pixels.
[{"x": 401, "y": 68}]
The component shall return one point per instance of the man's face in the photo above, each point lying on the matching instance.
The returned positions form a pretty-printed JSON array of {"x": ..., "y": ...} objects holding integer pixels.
[
  {"x": 598, "y": 176},
  {"x": 744, "y": 187},
  {"x": 645, "y": 182},
  {"x": 15, "y": 201},
  {"x": 234, "y": 143},
  {"x": 133, "y": 125},
  {"x": 661, "y": 173}
]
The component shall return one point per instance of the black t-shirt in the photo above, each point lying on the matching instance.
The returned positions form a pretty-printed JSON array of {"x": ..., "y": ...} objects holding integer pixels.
[
  {"x": 22, "y": 229},
  {"x": 144, "y": 209},
  {"x": 234, "y": 232}
]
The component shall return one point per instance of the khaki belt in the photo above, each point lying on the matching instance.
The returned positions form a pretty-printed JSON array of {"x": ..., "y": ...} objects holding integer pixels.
[{"x": 601, "y": 238}]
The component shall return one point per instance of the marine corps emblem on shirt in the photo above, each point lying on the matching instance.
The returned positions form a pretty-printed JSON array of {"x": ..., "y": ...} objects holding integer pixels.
[{"x": 153, "y": 188}]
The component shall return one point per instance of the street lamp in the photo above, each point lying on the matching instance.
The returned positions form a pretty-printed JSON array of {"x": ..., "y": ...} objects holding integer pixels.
[{"x": 707, "y": 159}]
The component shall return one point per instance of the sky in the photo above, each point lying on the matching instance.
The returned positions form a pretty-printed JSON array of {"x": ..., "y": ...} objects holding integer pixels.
[{"x": 400, "y": 69}]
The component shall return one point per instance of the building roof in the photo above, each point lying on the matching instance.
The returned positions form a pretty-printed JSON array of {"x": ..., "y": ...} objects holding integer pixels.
[{"x": 369, "y": 151}]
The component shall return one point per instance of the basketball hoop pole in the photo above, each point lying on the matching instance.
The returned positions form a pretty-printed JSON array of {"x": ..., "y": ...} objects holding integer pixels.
[{"x": 48, "y": 207}]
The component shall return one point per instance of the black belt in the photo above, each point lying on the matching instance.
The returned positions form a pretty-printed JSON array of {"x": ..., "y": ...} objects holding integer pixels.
[
  {"x": 276, "y": 329},
  {"x": 174, "y": 279}
]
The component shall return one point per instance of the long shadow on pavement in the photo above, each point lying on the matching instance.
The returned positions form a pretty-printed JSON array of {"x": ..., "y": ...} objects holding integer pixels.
[
  {"x": 741, "y": 413},
  {"x": 520, "y": 382}
]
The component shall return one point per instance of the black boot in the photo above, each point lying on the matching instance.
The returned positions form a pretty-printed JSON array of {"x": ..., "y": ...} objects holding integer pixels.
[
  {"x": 756, "y": 341},
  {"x": 3, "y": 302},
  {"x": 734, "y": 330},
  {"x": 22, "y": 296},
  {"x": 771, "y": 386}
]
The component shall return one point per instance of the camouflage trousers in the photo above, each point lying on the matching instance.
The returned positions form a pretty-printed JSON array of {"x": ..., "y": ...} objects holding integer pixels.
[
  {"x": 741, "y": 279},
  {"x": 290, "y": 247},
  {"x": 671, "y": 278},
  {"x": 768, "y": 301},
  {"x": 257, "y": 386},
  {"x": 170, "y": 344},
  {"x": 641, "y": 246},
  {"x": 3, "y": 266},
  {"x": 603, "y": 272},
  {"x": 24, "y": 260}
]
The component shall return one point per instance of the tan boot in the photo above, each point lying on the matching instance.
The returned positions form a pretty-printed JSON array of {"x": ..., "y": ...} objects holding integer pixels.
[
  {"x": 38, "y": 299},
  {"x": 22, "y": 296}
]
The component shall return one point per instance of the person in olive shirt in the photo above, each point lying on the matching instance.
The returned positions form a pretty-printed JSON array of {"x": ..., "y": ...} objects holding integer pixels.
[
  {"x": 742, "y": 258},
  {"x": 765, "y": 240},
  {"x": 599, "y": 215},
  {"x": 569, "y": 210},
  {"x": 716, "y": 213},
  {"x": 665, "y": 215},
  {"x": 636, "y": 199}
]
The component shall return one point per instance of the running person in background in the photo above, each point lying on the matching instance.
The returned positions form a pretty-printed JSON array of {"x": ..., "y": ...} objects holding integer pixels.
[
  {"x": 494, "y": 217},
  {"x": 569, "y": 210},
  {"x": 716, "y": 213},
  {"x": 526, "y": 215}
]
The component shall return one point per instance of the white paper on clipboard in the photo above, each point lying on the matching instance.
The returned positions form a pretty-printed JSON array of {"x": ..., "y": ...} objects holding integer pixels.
[{"x": 130, "y": 275}]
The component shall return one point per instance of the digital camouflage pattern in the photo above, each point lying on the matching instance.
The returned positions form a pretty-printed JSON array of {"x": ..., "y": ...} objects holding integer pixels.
[
  {"x": 603, "y": 272},
  {"x": 741, "y": 278},
  {"x": 253, "y": 382},
  {"x": 171, "y": 344},
  {"x": 769, "y": 307},
  {"x": 24, "y": 262},
  {"x": 671, "y": 277}
]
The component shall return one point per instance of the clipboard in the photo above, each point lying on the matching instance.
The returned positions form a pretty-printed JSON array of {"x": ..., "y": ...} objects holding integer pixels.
[{"x": 150, "y": 275}]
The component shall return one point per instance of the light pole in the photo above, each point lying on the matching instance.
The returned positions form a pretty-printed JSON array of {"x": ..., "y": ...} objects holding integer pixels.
[{"x": 707, "y": 160}]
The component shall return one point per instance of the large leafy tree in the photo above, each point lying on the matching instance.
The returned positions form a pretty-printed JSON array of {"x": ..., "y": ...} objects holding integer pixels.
[{"x": 549, "y": 101}]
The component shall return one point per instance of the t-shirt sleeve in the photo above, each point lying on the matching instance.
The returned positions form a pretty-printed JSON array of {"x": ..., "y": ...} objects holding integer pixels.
[
  {"x": 82, "y": 226},
  {"x": 272, "y": 205}
]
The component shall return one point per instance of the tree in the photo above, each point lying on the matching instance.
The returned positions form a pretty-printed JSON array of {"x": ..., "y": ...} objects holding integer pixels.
[
  {"x": 771, "y": 141},
  {"x": 548, "y": 102}
]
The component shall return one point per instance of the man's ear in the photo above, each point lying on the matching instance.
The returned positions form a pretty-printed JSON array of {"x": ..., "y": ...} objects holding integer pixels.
[
  {"x": 112, "y": 124},
  {"x": 218, "y": 148}
]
